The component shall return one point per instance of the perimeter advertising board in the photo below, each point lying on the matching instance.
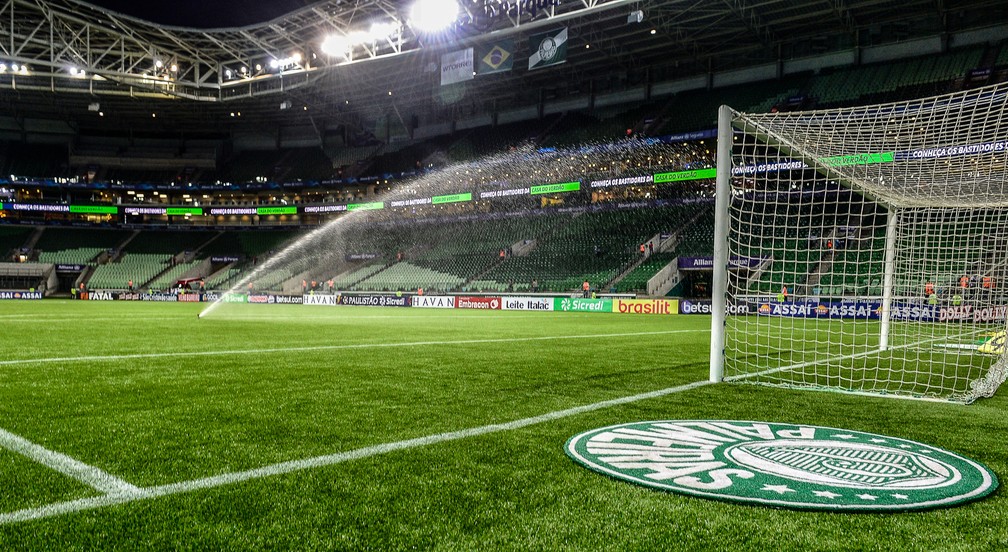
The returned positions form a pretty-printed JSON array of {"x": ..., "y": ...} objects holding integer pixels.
[
  {"x": 527, "y": 303},
  {"x": 19, "y": 295},
  {"x": 646, "y": 306},
  {"x": 433, "y": 302},
  {"x": 574, "y": 304},
  {"x": 100, "y": 295},
  {"x": 357, "y": 300},
  {"x": 871, "y": 309},
  {"x": 706, "y": 307},
  {"x": 373, "y": 300},
  {"x": 154, "y": 297},
  {"x": 327, "y": 300},
  {"x": 493, "y": 303}
]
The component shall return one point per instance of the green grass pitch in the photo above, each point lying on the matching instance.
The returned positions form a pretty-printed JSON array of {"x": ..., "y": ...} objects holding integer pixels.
[{"x": 162, "y": 400}]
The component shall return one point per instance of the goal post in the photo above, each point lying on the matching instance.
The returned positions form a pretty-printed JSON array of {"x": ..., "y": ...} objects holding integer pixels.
[{"x": 865, "y": 249}]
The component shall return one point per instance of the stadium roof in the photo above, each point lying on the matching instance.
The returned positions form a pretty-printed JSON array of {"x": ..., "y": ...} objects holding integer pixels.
[{"x": 79, "y": 54}]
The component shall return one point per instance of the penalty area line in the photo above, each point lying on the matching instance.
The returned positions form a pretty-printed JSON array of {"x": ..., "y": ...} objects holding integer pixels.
[
  {"x": 309, "y": 348},
  {"x": 145, "y": 493},
  {"x": 89, "y": 475}
]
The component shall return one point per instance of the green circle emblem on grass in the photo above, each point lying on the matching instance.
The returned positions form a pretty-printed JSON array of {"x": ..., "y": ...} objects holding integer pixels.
[{"x": 783, "y": 465}]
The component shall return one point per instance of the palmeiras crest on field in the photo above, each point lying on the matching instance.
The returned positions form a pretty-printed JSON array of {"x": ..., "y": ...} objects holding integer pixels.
[{"x": 783, "y": 465}]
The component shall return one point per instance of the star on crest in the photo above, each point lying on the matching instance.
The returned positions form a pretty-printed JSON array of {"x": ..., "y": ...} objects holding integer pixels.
[
  {"x": 826, "y": 494},
  {"x": 844, "y": 436},
  {"x": 905, "y": 446},
  {"x": 877, "y": 440},
  {"x": 867, "y": 496},
  {"x": 779, "y": 489},
  {"x": 900, "y": 496}
]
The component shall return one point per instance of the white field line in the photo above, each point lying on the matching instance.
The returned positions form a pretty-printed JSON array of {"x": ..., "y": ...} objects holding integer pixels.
[
  {"x": 129, "y": 356},
  {"x": 89, "y": 475},
  {"x": 145, "y": 493},
  {"x": 742, "y": 377}
]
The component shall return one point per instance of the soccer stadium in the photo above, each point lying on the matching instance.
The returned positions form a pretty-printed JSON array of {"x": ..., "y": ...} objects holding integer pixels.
[{"x": 503, "y": 275}]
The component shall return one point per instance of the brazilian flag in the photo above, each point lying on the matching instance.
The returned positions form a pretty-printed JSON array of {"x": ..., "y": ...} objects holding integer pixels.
[{"x": 495, "y": 58}]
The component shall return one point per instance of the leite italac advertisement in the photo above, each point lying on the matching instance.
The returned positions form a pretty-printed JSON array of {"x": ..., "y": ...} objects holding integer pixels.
[
  {"x": 646, "y": 306},
  {"x": 527, "y": 303}
]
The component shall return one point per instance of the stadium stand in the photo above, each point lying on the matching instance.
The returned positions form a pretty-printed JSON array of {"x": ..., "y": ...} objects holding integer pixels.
[{"x": 12, "y": 237}]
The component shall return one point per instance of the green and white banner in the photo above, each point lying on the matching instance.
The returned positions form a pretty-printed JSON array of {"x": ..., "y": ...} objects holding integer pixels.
[{"x": 548, "y": 49}]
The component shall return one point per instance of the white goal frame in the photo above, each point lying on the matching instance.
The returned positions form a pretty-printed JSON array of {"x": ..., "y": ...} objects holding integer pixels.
[{"x": 987, "y": 191}]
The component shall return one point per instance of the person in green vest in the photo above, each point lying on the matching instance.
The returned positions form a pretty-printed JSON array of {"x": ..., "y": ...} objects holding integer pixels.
[{"x": 957, "y": 300}]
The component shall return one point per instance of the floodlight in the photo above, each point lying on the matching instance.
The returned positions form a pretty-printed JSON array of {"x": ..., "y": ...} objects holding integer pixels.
[
  {"x": 335, "y": 45},
  {"x": 431, "y": 16},
  {"x": 274, "y": 63},
  {"x": 380, "y": 30}
]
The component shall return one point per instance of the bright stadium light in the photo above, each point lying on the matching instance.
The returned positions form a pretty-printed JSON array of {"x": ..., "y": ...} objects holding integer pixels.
[
  {"x": 431, "y": 16},
  {"x": 381, "y": 30},
  {"x": 335, "y": 45}
]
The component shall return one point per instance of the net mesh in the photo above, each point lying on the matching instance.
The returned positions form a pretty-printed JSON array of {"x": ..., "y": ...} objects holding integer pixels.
[{"x": 868, "y": 246}]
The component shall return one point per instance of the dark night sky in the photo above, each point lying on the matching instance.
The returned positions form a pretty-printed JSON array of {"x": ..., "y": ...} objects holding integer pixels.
[{"x": 204, "y": 13}]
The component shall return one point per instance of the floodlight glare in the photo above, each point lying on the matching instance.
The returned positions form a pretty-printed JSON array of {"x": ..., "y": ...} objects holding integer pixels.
[
  {"x": 274, "y": 63},
  {"x": 335, "y": 45},
  {"x": 380, "y": 30},
  {"x": 431, "y": 16}
]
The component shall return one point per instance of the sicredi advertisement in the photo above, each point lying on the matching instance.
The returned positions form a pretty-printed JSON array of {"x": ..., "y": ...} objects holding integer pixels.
[{"x": 574, "y": 304}]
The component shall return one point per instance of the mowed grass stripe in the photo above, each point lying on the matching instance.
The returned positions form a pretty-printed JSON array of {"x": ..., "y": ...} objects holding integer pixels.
[
  {"x": 229, "y": 352},
  {"x": 136, "y": 494}
]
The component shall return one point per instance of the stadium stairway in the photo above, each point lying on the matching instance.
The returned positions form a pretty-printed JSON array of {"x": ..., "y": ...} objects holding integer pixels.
[{"x": 34, "y": 238}]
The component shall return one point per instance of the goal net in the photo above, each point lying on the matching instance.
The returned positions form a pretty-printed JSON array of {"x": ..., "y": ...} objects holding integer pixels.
[{"x": 865, "y": 249}]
